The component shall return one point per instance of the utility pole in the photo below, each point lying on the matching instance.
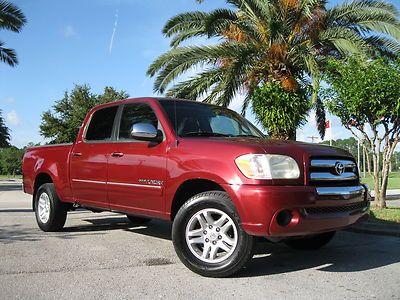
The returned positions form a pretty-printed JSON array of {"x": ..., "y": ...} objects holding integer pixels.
[
  {"x": 312, "y": 138},
  {"x": 364, "y": 158},
  {"x": 358, "y": 155}
]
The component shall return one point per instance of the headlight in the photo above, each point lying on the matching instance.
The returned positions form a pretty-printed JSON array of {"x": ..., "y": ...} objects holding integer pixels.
[{"x": 268, "y": 166}]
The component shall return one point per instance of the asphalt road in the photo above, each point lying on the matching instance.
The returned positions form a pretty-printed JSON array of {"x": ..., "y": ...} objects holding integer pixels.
[{"x": 101, "y": 256}]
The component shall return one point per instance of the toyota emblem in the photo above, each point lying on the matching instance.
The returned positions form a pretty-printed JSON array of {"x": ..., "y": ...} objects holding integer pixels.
[{"x": 339, "y": 168}]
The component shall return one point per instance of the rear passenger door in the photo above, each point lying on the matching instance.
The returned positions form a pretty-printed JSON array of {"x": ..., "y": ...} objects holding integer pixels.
[
  {"x": 88, "y": 163},
  {"x": 137, "y": 169}
]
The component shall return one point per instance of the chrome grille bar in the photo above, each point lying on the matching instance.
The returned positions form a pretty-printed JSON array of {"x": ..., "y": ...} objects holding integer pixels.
[
  {"x": 341, "y": 191},
  {"x": 330, "y": 163},
  {"x": 324, "y": 171},
  {"x": 325, "y": 176}
]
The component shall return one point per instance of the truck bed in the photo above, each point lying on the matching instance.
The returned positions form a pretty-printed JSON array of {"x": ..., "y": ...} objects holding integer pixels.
[{"x": 52, "y": 160}]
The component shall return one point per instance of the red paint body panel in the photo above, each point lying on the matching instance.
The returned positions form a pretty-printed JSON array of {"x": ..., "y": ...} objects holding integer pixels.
[
  {"x": 89, "y": 173},
  {"x": 144, "y": 180}
]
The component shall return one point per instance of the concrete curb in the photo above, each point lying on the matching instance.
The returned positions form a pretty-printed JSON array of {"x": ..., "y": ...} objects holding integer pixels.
[
  {"x": 10, "y": 182},
  {"x": 376, "y": 228}
]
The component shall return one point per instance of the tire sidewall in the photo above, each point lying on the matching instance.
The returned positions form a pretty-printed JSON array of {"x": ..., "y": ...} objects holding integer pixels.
[
  {"x": 49, "y": 190},
  {"x": 194, "y": 205}
]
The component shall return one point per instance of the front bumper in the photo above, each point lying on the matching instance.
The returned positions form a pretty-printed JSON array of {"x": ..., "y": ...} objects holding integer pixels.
[{"x": 314, "y": 209}]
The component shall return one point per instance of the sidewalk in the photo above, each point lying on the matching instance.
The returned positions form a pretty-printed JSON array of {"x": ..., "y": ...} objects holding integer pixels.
[
  {"x": 15, "y": 181},
  {"x": 390, "y": 194}
]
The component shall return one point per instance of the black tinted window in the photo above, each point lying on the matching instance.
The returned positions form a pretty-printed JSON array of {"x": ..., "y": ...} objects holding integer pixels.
[
  {"x": 135, "y": 113},
  {"x": 100, "y": 127}
]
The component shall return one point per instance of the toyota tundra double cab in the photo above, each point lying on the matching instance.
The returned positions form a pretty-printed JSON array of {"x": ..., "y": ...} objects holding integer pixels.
[{"x": 212, "y": 173}]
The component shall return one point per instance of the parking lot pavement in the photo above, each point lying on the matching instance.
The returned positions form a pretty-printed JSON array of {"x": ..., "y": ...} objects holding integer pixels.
[{"x": 102, "y": 256}]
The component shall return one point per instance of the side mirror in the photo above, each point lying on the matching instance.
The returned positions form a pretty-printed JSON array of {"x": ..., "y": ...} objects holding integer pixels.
[{"x": 146, "y": 132}]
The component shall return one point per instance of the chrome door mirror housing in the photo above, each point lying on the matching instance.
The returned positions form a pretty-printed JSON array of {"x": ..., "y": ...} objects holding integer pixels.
[{"x": 145, "y": 132}]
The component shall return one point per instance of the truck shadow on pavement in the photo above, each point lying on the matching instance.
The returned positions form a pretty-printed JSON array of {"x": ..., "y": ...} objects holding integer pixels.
[{"x": 348, "y": 252}]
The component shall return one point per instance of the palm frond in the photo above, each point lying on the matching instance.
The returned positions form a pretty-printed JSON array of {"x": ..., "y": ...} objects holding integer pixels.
[
  {"x": 8, "y": 55},
  {"x": 11, "y": 17},
  {"x": 320, "y": 117}
]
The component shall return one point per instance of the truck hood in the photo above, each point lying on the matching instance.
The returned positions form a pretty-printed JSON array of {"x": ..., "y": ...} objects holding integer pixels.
[
  {"x": 280, "y": 146},
  {"x": 292, "y": 148}
]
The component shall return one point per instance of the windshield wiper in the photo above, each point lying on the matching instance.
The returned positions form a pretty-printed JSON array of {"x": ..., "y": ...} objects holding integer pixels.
[
  {"x": 248, "y": 135},
  {"x": 204, "y": 133}
]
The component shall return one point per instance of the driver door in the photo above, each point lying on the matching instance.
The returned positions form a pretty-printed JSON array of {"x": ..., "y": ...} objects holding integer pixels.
[{"x": 137, "y": 169}]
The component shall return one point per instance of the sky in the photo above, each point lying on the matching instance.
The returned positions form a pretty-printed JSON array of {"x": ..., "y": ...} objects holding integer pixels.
[{"x": 99, "y": 43}]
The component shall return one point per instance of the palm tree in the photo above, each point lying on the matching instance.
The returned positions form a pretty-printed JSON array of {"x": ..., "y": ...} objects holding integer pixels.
[
  {"x": 4, "y": 133},
  {"x": 11, "y": 18},
  {"x": 269, "y": 40}
]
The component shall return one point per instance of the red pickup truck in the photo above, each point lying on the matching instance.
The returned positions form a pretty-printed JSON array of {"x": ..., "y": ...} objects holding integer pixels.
[{"x": 204, "y": 167}]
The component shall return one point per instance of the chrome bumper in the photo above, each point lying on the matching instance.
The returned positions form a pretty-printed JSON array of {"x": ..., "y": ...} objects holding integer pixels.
[{"x": 342, "y": 192}]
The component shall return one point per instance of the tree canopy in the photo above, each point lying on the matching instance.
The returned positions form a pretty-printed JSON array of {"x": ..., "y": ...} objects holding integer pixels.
[
  {"x": 62, "y": 123},
  {"x": 365, "y": 95},
  {"x": 257, "y": 41},
  {"x": 280, "y": 112},
  {"x": 11, "y": 161},
  {"x": 4, "y": 133}
]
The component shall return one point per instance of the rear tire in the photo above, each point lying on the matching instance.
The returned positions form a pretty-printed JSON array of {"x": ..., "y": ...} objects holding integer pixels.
[
  {"x": 314, "y": 242},
  {"x": 50, "y": 212},
  {"x": 138, "y": 220},
  {"x": 208, "y": 237}
]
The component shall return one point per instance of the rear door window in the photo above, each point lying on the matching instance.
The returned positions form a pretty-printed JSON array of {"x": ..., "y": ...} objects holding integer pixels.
[{"x": 101, "y": 124}]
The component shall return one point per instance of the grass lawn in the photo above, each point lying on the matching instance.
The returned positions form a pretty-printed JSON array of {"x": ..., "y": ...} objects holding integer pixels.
[
  {"x": 394, "y": 181},
  {"x": 2, "y": 177},
  {"x": 390, "y": 215}
]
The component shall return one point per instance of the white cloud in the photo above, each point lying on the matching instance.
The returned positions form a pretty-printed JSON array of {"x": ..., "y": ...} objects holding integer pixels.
[
  {"x": 12, "y": 118},
  {"x": 8, "y": 100},
  {"x": 68, "y": 31}
]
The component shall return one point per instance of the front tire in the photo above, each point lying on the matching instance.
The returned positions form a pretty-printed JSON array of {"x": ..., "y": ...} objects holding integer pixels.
[
  {"x": 208, "y": 238},
  {"x": 314, "y": 242},
  {"x": 50, "y": 212}
]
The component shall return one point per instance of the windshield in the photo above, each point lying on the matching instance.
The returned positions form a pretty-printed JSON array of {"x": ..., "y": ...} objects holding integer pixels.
[{"x": 198, "y": 119}]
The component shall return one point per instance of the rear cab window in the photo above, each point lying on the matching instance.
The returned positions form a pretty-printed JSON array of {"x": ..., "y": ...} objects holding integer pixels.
[{"x": 101, "y": 124}]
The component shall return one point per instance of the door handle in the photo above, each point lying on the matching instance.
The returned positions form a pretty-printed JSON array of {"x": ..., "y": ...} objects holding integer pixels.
[
  {"x": 117, "y": 154},
  {"x": 77, "y": 154}
]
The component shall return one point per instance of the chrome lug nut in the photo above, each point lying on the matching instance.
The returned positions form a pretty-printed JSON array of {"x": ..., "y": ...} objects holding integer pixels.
[{"x": 207, "y": 240}]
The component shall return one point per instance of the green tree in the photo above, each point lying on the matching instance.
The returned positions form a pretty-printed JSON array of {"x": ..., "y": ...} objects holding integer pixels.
[
  {"x": 61, "y": 125},
  {"x": 11, "y": 160},
  {"x": 396, "y": 161},
  {"x": 11, "y": 18},
  {"x": 349, "y": 144},
  {"x": 4, "y": 133},
  {"x": 278, "y": 110},
  {"x": 261, "y": 40},
  {"x": 365, "y": 95}
]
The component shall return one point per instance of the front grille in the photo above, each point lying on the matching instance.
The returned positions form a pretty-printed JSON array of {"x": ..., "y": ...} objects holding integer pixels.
[
  {"x": 332, "y": 172},
  {"x": 354, "y": 207}
]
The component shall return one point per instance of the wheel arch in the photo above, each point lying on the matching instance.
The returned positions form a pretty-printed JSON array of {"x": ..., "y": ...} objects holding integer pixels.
[
  {"x": 188, "y": 189},
  {"x": 40, "y": 179}
]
